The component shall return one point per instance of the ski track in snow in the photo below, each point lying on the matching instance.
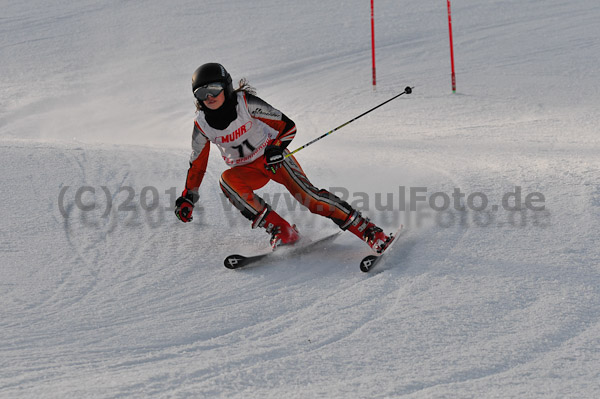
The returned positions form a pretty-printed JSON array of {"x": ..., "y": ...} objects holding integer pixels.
[{"x": 119, "y": 301}]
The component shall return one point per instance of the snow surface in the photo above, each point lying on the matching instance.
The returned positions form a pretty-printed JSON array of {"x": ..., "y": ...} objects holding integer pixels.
[{"x": 125, "y": 301}]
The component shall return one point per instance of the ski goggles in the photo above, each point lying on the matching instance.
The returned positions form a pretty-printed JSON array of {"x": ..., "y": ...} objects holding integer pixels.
[{"x": 211, "y": 89}]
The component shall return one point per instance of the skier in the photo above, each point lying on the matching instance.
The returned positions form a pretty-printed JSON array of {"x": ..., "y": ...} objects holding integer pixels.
[{"x": 252, "y": 137}]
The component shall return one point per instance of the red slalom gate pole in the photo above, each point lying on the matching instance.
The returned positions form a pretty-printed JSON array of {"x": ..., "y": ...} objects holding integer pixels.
[
  {"x": 451, "y": 48},
  {"x": 373, "y": 43}
]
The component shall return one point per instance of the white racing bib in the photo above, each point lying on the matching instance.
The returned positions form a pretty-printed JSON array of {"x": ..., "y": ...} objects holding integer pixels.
[{"x": 242, "y": 142}]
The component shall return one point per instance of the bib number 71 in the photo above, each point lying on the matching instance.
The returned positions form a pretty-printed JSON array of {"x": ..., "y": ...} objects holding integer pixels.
[{"x": 240, "y": 147}]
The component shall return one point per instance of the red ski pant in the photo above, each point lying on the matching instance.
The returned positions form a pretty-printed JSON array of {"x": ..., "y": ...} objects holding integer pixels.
[{"x": 239, "y": 183}]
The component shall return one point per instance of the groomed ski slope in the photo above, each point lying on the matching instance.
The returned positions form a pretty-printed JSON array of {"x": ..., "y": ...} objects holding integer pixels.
[{"x": 104, "y": 294}]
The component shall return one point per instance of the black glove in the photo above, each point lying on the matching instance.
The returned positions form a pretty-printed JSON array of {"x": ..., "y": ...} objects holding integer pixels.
[
  {"x": 273, "y": 157},
  {"x": 185, "y": 205}
]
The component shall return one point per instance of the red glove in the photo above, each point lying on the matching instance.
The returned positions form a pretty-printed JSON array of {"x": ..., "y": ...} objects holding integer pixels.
[{"x": 185, "y": 205}]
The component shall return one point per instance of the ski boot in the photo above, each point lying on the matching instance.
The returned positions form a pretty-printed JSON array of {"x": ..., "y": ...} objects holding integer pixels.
[
  {"x": 281, "y": 231},
  {"x": 367, "y": 231}
]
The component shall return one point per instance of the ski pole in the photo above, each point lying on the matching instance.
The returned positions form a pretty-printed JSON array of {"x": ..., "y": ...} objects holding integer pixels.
[{"x": 407, "y": 90}]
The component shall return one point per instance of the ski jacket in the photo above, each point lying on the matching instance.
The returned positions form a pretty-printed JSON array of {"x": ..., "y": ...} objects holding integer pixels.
[{"x": 257, "y": 125}]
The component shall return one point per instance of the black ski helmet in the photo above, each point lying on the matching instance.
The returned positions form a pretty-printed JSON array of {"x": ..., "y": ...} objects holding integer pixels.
[{"x": 210, "y": 73}]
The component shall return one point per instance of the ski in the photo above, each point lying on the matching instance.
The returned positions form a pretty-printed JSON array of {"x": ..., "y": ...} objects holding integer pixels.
[
  {"x": 370, "y": 261},
  {"x": 240, "y": 261}
]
